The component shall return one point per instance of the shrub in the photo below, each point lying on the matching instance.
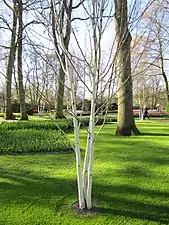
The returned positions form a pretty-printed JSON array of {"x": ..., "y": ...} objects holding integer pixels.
[
  {"x": 34, "y": 136},
  {"x": 159, "y": 115},
  {"x": 38, "y": 136},
  {"x": 167, "y": 108},
  {"x": 2, "y": 115},
  {"x": 29, "y": 109},
  {"x": 64, "y": 125},
  {"x": 99, "y": 120},
  {"x": 17, "y": 115},
  {"x": 31, "y": 140},
  {"x": 15, "y": 107}
]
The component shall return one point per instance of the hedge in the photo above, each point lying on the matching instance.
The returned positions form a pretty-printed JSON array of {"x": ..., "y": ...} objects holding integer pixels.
[
  {"x": 38, "y": 136},
  {"x": 17, "y": 115},
  {"x": 33, "y": 136},
  {"x": 64, "y": 125},
  {"x": 17, "y": 141}
]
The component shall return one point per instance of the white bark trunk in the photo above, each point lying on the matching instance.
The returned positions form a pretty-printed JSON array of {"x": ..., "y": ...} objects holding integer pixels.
[
  {"x": 91, "y": 151},
  {"x": 76, "y": 136},
  {"x": 89, "y": 156},
  {"x": 85, "y": 168},
  {"x": 84, "y": 180},
  {"x": 90, "y": 141}
]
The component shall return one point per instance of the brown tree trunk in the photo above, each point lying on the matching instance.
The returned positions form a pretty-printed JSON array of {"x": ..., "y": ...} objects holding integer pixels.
[
  {"x": 162, "y": 68},
  {"x": 60, "y": 92},
  {"x": 125, "y": 122},
  {"x": 23, "y": 109},
  {"x": 8, "y": 81},
  {"x": 166, "y": 87},
  {"x": 65, "y": 23}
]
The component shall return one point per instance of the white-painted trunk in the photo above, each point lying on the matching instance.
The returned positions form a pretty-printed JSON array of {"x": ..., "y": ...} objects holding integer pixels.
[
  {"x": 78, "y": 165},
  {"x": 76, "y": 136},
  {"x": 85, "y": 167},
  {"x": 91, "y": 143},
  {"x": 84, "y": 180}
]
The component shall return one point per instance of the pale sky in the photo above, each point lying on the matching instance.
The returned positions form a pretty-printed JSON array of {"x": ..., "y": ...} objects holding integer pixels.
[{"x": 82, "y": 29}]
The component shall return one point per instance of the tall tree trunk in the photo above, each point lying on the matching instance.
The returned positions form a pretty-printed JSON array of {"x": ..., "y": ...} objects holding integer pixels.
[
  {"x": 125, "y": 122},
  {"x": 8, "y": 81},
  {"x": 162, "y": 63},
  {"x": 60, "y": 92},
  {"x": 65, "y": 23},
  {"x": 23, "y": 110},
  {"x": 166, "y": 87}
]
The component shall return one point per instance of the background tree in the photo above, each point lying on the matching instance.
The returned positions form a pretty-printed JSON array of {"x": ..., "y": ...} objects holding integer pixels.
[
  {"x": 64, "y": 17},
  {"x": 125, "y": 122},
  {"x": 146, "y": 76},
  {"x": 150, "y": 56},
  {"x": 23, "y": 109},
  {"x": 10, "y": 65},
  {"x": 157, "y": 18}
]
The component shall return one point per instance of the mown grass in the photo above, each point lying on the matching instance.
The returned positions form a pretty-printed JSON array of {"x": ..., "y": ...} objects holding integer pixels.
[{"x": 130, "y": 182}]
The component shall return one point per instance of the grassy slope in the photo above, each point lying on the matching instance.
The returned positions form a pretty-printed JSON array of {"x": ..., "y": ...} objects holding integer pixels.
[{"x": 131, "y": 178}]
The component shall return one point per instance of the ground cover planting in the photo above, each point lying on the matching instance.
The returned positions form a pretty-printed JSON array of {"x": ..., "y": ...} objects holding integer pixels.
[{"x": 130, "y": 181}]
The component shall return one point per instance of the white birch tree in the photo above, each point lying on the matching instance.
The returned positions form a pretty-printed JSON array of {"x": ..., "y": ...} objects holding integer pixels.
[{"x": 95, "y": 16}]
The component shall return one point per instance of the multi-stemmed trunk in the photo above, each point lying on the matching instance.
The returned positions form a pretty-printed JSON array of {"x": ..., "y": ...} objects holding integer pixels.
[
  {"x": 125, "y": 122},
  {"x": 89, "y": 154},
  {"x": 23, "y": 109},
  {"x": 84, "y": 179},
  {"x": 81, "y": 199},
  {"x": 8, "y": 80}
]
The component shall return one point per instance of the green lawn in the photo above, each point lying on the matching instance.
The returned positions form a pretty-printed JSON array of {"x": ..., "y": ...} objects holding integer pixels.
[{"x": 131, "y": 182}]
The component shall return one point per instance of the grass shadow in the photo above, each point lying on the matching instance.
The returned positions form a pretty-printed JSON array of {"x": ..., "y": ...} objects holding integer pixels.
[
  {"x": 154, "y": 134},
  {"x": 122, "y": 204},
  {"x": 24, "y": 187}
]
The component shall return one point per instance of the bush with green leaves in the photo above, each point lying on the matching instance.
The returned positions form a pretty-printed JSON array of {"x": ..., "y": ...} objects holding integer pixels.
[
  {"x": 16, "y": 107},
  {"x": 64, "y": 125},
  {"x": 32, "y": 140},
  {"x": 39, "y": 136},
  {"x": 16, "y": 115},
  {"x": 2, "y": 115},
  {"x": 159, "y": 115},
  {"x": 98, "y": 121},
  {"x": 34, "y": 136},
  {"x": 167, "y": 108}
]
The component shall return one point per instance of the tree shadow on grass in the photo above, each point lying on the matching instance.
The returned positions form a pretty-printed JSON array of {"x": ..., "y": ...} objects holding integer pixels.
[
  {"x": 154, "y": 134},
  {"x": 25, "y": 187},
  {"x": 121, "y": 202},
  {"x": 151, "y": 156},
  {"x": 112, "y": 135},
  {"x": 137, "y": 210},
  {"x": 135, "y": 171}
]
